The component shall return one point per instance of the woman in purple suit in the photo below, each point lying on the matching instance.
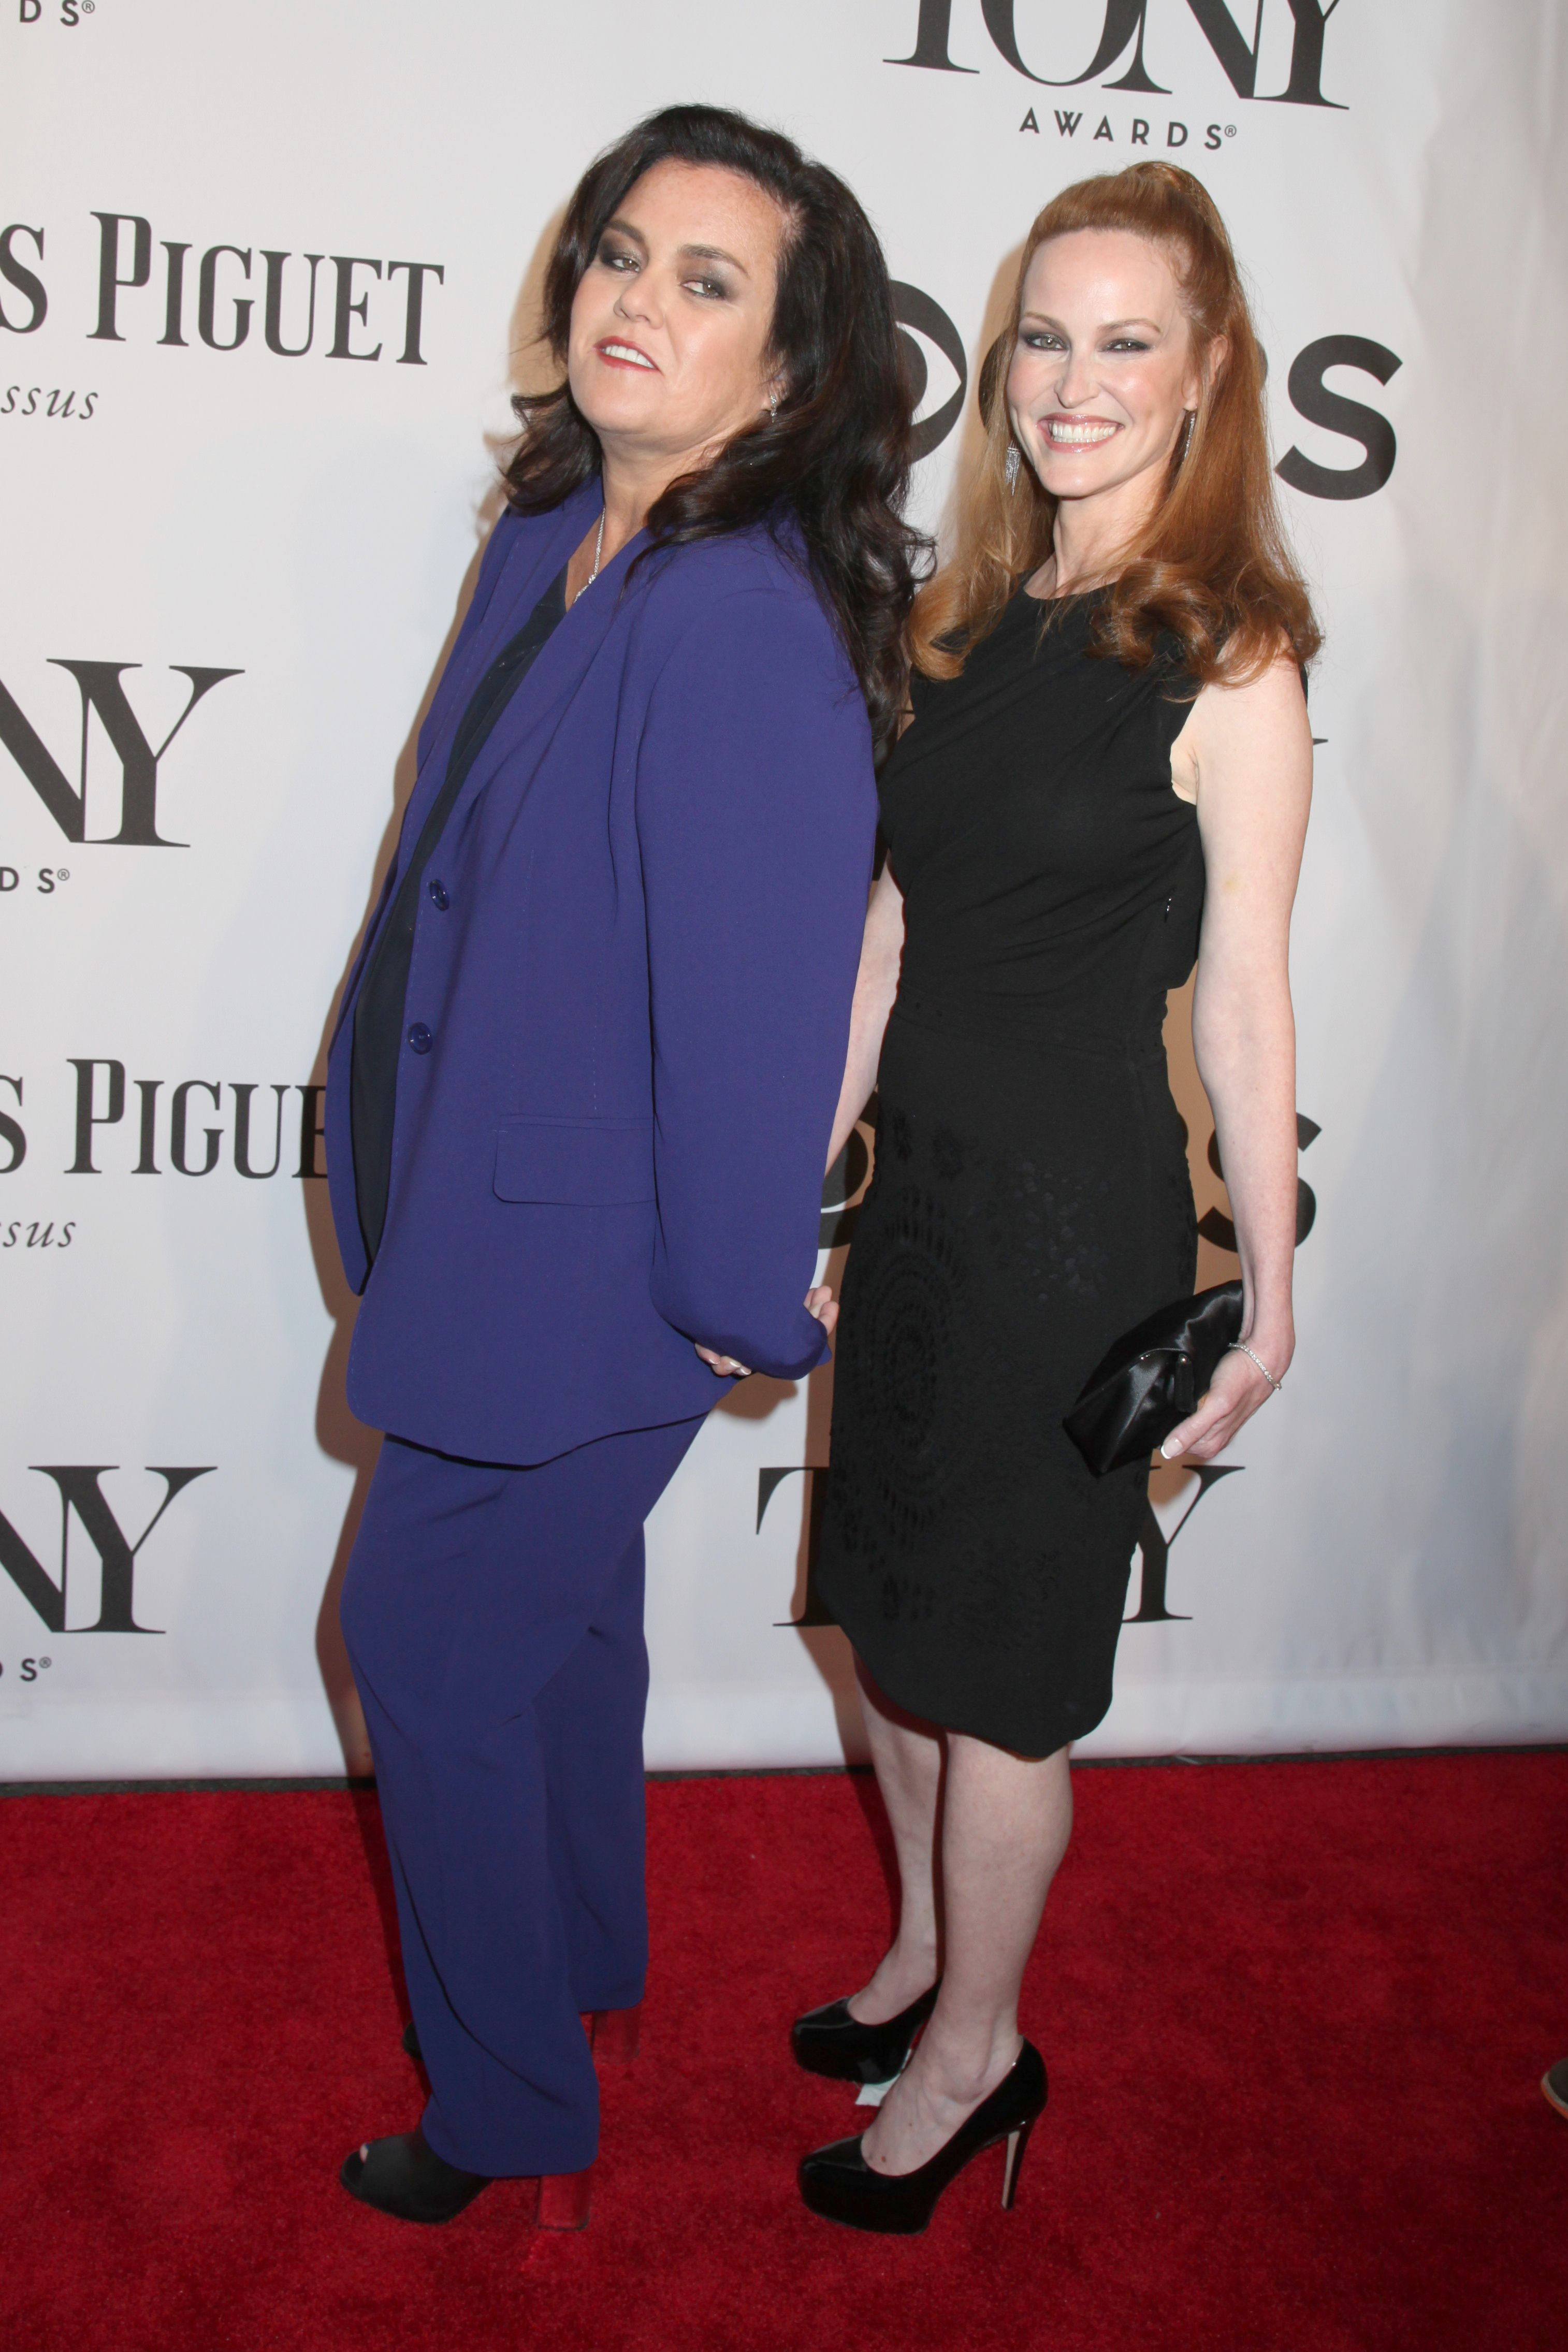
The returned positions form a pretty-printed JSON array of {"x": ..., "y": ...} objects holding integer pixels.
[{"x": 580, "y": 1096}]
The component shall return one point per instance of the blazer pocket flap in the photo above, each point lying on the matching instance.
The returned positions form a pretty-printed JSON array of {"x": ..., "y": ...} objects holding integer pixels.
[{"x": 584, "y": 1163}]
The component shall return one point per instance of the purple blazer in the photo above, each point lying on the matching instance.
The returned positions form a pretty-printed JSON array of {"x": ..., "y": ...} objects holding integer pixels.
[{"x": 639, "y": 988}]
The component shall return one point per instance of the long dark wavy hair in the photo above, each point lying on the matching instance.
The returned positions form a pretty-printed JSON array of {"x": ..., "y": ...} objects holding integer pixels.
[{"x": 837, "y": 453}]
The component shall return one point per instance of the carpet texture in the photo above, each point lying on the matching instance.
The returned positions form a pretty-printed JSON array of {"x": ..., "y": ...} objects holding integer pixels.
[{"x": 1295, "y": 2017}]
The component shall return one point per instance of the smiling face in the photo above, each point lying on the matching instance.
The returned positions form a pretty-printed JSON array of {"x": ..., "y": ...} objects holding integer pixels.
[
  {"x": 670, "y": 324},
  {"x": 1104, "y": 372}
]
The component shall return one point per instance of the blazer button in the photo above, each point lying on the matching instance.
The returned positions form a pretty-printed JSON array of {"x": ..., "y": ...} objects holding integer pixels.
[
  {"x": 438, "y": 896},
  {"x": 419, "y": 1039}
]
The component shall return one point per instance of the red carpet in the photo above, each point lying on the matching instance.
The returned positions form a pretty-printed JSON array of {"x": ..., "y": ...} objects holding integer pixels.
[{"x": 1294, "y": 2015}]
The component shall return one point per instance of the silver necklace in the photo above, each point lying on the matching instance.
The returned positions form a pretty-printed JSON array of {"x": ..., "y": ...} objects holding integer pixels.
[{"x": 599, "y": 551}]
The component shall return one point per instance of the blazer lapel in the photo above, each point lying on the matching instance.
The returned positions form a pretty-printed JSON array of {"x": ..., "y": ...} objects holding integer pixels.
[
  {"x": 560, "y": 667},
  {"x": 523, "y": 579}
]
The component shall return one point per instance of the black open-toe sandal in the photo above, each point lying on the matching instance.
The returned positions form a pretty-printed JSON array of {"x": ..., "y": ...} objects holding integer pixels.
[{"x": 404, "y": 2177}]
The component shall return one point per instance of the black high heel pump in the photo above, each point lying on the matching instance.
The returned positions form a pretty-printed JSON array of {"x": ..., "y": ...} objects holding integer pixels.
[
  {"x": 828, "y": 2041},
  {"x": 836, "y": 2181}
]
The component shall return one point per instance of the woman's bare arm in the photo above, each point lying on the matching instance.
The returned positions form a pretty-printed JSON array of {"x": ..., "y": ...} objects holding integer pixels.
[
  {"x": 1245, "y": 755},
  {"x": 875, "y": 985}
]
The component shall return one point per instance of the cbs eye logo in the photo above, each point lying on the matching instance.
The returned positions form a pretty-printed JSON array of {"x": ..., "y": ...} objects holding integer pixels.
[{"x": 923, "y": 323}]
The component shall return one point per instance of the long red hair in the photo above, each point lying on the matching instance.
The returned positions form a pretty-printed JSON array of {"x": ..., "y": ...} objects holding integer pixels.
[{"x": 1212, "y": 564}]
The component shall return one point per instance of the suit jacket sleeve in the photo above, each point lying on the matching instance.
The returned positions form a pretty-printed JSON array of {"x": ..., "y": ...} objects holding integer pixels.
[{"x": 756, "y": 815}]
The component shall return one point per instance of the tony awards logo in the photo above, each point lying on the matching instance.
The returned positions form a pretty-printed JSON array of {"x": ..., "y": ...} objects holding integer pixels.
[
  {"x": 81, "y": 1497},
  {"x": 1119, "y": 61},
  {"x": 103, "y": 697}
]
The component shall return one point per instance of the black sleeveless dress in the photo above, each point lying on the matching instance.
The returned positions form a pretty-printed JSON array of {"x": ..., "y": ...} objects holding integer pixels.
[{"x": 1031, "y": 1199}]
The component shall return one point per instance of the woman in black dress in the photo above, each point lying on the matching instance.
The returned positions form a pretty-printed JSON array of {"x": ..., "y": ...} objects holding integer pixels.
[{"x": 1108, "y": 709}]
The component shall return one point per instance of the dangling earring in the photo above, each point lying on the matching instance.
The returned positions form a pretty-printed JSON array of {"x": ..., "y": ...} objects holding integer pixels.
[
  {"x": 1186, "y": 436},
  {"x": 774, "y": 402},
  {"x": 1014, "y": 462}
]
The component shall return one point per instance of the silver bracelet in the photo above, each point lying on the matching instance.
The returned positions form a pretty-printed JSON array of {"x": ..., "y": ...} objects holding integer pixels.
[{"x": 1239, "y": 1348}]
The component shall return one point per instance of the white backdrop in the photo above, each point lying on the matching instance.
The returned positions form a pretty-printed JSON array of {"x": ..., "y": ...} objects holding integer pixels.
[{"x": 1387, "y": 1568}]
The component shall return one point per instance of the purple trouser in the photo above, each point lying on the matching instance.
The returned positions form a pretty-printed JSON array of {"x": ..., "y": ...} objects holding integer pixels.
[{"x": 494, "y": 1617}]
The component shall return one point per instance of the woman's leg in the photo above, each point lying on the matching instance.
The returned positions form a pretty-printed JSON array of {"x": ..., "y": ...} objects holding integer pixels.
[
  {"x": 1004, "y": 1828},
  {"x": 451, "y": 1629},
  {"x": 590, "y": 1717},
  {"x": 483, "y": 1604},
  {"x": 908, "y": 1758}
]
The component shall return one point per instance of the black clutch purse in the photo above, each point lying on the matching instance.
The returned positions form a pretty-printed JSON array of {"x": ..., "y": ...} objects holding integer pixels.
[{"x": 1149, "y": 1383}]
